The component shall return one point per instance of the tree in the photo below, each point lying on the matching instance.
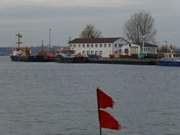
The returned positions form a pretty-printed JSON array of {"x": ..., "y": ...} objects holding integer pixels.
[
  {"x": 140, "y": 28},
  {"x": 167, "y": 48},
  {"x": 90, "y": 32}
]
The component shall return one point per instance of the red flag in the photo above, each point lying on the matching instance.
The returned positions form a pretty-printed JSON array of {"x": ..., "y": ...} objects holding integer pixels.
[
  {"x": 104, "y": 100},
  {"x": 108, "y": 121}
]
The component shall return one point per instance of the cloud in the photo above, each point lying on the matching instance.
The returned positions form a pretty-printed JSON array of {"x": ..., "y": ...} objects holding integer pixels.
[
  {"x": 37, "y": 12},
  {"x": 68, "y": 17},
  {"x": 94, "y": 3},
  {"x": 67, "y": 3}
]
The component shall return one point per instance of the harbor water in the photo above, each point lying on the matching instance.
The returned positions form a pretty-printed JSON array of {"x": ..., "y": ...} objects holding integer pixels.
[{"x": 60, "y": 99}]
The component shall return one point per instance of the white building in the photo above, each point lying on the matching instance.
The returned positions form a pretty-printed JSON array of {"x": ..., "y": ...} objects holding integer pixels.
[
  {"x": 147, "y": 50},
  {"x": 100, "y": 46},
  {"x": 150, "y": 49},
  {"x": 135, "y": 49}
]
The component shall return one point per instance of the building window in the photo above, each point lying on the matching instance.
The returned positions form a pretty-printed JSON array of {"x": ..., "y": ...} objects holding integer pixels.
[
  {"x": 83, "y": 45},
  {"x": 100, "y": 45},
  {"x": 115, "y": 45},
  {"x": 74, "y": 45},
  {"x": 83, "y": 52},
  {"x": 104, "y": 45},
  {"x": 100, "y": 53},
  {"x": 126, "y": 51},
  {"x": 96, "y": 45},
  {"x": 91, "y": 45},
  {"x": 120, "y": 45},
  {"x": 153, "y": 49},
  {"x": 88, "y": 52},
  {"x": 87, "y": 45},
  {"x": 145, "y": 49},
  {"x": 92, "y": 52},
  {"x": 79, "y": 45},
  {"x": 109, "y": 45}
]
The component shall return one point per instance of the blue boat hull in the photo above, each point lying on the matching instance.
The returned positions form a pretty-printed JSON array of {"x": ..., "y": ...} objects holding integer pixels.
[{"x": 169, "y": 63}]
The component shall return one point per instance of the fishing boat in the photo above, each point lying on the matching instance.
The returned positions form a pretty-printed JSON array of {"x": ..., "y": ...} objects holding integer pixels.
[
  {"x": 30, "y": 59},
  {"x": 23, "y": 54},
  {"x": 169, "y": 61}
]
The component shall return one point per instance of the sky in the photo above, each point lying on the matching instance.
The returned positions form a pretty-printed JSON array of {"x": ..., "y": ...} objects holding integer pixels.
[{"x": 67, "y": 18}]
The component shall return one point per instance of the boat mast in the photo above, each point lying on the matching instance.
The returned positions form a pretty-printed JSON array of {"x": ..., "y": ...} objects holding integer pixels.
[
  {"x": 42, "y": 45},
  {"x": 49, "y": 39},
  {"x": 19, "y": 37}
]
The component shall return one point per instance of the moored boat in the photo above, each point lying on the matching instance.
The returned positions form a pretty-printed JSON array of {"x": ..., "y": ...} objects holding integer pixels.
[
  {"x": 31, "y": 59},
  {"x": 169, "y": 62},
  {"x": 24, "y": 54},
  {"x": 68, "y": 56}
]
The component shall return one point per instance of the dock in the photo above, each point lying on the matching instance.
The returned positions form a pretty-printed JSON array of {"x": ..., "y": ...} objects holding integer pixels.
[{"x": 112, "y": 61}]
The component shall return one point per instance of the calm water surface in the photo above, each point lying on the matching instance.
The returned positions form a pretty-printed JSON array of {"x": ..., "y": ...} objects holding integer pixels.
[{"x": 60, "y": 99}]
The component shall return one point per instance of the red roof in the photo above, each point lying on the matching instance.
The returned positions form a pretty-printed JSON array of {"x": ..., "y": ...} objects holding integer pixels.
[{"x": 96, "y": 40}]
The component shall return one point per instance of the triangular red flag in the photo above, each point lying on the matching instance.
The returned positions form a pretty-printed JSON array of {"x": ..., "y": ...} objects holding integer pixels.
[
  {"x": 108, "y": 121},
  {"x": 104, "y": 100}
]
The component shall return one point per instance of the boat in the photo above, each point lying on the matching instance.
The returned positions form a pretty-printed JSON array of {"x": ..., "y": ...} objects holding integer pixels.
[
  {"x": 64, "y": 58},
  {"x": 23, "y": 54},
  {"x": 32, "y": 58},
  {"x": 169, "y": 61},
  {"x": 68, "y": 56}
]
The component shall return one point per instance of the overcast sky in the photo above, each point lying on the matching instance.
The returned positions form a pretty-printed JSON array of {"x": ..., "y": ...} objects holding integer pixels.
[{"x": 67, "y": 18}]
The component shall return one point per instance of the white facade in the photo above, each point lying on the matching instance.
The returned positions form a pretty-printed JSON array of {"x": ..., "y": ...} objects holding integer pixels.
[
  {"x": 104, "y": 49},
  {"x": 147, "y": 49},
  {"x": 135, "y": 49},
  {"x": 121, "y": 47}
]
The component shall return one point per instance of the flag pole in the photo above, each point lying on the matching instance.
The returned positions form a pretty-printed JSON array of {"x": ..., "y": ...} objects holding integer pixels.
[{"x": 98, "y": 109}]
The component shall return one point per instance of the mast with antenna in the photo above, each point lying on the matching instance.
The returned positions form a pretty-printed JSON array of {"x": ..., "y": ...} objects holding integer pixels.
[
  {"x": 42, "y": 45},
  {"x": 19, "y": 37},
  {"x": 50, "y": 38}
]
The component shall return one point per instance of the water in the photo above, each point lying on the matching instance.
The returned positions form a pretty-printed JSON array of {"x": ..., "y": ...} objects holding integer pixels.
[{"x": 60, "y": 99}]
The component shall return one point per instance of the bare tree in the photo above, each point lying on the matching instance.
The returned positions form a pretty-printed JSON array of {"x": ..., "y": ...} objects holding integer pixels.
[
  {"x": 90, "y": 32},
  {"x": 167, "y": 48},
  {"x": 140, "y": 27}
]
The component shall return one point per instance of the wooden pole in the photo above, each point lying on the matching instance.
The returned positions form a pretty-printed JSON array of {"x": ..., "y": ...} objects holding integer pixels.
[{"x": 98, "y": 108}]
